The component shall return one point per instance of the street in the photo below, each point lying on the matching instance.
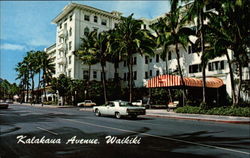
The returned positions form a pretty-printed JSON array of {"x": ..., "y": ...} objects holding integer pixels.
[{"x": 146, "y": 136}]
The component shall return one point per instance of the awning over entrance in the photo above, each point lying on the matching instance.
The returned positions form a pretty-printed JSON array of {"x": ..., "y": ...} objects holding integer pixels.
[{"x": 175, "y": 81}]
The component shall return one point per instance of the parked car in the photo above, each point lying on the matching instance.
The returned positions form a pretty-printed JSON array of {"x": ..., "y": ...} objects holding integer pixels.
[
  {"x": 9, "y": 101},
  {"x": 137, "y": 103},
  {"x": 141, "y": 103},
  {"x": 3, "y": 104},
  {"x": 119, "y": 109},
  {"x": 86, "y": 103}
]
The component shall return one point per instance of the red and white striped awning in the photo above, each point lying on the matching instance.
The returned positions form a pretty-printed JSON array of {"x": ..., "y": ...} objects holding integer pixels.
[{"x": 175, "y": 81}]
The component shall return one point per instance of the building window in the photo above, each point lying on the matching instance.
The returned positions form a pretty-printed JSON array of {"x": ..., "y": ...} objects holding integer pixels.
[
  {"x": 134, "y": 61},
  {"x": 70, "y": 31},
  {"x": 70, "y": 18},
  {"x": 222, "y": 66},
  {"x": 85, "y": 74},
  {"x": 86, "y": 31},
  {"x": 86, "y": 17},
  {"x": 195, "y": 68},
  {"x": 146, "y": 59},
  {"x": 65, "y": 19},
  {"x": 69, "y": 60},
  {"x": 95, "y": 19},
  {"x": 150, "y": 60},
  {"x": 65, "y": 26},
  {"x": 60, "y": 25},
  {"x": 69, "y": 73},
  {"x": 150, "y": 73},
  {"x": 157, "y": 58},
  {"x": 116, "y": 25},
  {"x": 217, "y": 65},
  {"x": 116, "y": 75},
  {"x": 169, "y": 55},
  {"x": 157, "y": 72},
  {"x": 94, "y": 74},
  {"x": 125, "y": 76},
  {"x": 210, "y": 67},
  {"x": 70, "y": 45},
  {"x": 125, "y": 63},
  {"x": 95, "y": 29},
  {"x": 135, "y": 75},
  {"x": 189, "y": 49},
  {"x": 144, "y": 26},
  {"x": 146, "y": 75},
  {"x": 104, "y": 22}
]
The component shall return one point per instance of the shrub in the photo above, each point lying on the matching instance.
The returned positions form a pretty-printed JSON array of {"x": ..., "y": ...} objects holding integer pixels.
[{"x": 229, "y": 111}]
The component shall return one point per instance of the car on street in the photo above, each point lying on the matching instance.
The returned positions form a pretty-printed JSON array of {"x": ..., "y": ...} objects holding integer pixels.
[
  {"x": 141, "y": 103},
  {"x": 3, "y": 104},
  {"x": 119, "y": 109},
  {"x": 86, "y": 103},
  {"x": 9, "y": 101}
]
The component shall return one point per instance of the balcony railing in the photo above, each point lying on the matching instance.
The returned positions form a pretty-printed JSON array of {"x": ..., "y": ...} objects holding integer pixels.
[
  {"x": 61, "y": 60},
  {"x": 62, "y": 33}
]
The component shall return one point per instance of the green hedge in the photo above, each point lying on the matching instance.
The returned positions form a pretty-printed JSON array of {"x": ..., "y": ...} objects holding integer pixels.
[{"x": 229, "y": 111}]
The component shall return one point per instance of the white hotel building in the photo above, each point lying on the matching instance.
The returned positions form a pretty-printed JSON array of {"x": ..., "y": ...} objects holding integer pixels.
[{"x": 77, "y": 19}]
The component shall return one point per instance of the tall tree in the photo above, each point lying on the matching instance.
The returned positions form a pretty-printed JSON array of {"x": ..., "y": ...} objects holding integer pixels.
[
  {"x": 131, "y": 39},
  {"x": 85, "y": 52},
  {"x": 23, "y": 74},
  {"x": 48, "y": 69},
  {"x": 171, "y": 31},
  {"x": 196, "y": 12}
]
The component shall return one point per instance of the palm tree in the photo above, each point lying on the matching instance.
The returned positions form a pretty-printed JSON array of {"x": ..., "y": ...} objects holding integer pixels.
[
  {"x": 23, "y": 75},
  {"x": 85, "y": 52},
  {"x": 231, "y": 31},
  {"x": 196, "y": 11},
  {"x": 131, "y": 39},
  {"x": 48, "y": 69},
  {"x": 170, "y": 31}
]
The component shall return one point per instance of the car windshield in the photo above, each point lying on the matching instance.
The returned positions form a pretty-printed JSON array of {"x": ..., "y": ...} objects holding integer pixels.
[{"x": 124, "y": 104}]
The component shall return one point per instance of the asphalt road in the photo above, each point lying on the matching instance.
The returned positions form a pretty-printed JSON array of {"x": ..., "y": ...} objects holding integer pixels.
[{"x": 148, "y": 136}]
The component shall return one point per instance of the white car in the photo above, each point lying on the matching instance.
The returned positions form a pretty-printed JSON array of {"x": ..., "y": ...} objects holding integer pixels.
[
  {"x": 119, "y": 109},
  {"x": 138, "y": 103},
  {"x": 86, "y": 103}
]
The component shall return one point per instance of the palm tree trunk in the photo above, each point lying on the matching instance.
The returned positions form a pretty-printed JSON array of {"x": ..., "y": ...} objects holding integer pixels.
[
  {"x": 104, "y": 83},
  {"x": 240, "y": 83},
  {"x": 130, "y": 65},
  {"x": 180, "y": 72},
  {"x": 232, "y": 79},
  {"x": 201, "y": 22},
  {"x": 169, "y": 91},
  {"x": 39, "y": 80},
  {"x": 32, "y": 89}
]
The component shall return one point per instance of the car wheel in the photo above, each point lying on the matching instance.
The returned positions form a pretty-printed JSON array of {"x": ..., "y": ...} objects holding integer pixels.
[
  {"x": 117, "y": 115},
  {"x": 97, "y": 112}
]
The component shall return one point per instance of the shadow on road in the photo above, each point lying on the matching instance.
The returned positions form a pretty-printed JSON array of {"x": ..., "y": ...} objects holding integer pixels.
[{"x": 150, "y": 147}]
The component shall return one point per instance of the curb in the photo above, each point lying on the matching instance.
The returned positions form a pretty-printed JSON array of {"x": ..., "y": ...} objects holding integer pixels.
[{"x": 200, "y": 119}]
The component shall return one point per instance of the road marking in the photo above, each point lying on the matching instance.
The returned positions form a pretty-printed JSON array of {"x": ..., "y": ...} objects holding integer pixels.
[
  {"x": 166, "y": 138},
  {"x": 47, "y": 130}
]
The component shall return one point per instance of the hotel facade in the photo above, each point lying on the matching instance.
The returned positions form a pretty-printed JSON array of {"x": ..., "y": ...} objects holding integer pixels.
[{"x": 76, "y": 20}]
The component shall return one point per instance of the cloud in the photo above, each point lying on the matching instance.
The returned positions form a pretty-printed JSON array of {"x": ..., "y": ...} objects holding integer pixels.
[
  {"x": 8, "y": 46},
  {"x": 39, "y": 42}
]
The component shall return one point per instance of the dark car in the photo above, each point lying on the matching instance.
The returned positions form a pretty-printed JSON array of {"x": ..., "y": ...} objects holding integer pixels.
[{"x": 3, "y": 104}]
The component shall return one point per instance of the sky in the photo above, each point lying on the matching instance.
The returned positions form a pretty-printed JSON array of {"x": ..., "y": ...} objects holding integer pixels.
[{"x": 26, "y": 25}]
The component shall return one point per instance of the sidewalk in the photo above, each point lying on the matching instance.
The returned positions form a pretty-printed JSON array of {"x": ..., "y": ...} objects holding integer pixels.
[
  {"x": 46, "y": 106},
  {"x": 199, "y": 117}
]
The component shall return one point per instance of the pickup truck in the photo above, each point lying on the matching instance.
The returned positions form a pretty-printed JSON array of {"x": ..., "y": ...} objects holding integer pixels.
[
  {"x": 86, "y": 103},
  {"x": 119, "y": 109}
]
